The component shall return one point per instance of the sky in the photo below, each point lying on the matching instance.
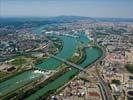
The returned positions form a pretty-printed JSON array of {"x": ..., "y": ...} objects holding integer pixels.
[{"x": 46, "y": 8}]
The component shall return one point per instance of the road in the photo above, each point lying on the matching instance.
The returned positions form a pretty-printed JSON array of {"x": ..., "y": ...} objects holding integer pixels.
[
  {"x": 69, "y": 63},
  {"x": 106, "y": 91}
]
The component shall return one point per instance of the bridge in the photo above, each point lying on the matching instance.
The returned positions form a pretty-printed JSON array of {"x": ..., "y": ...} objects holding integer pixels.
[
  {"x": 104, "y": 89},
  {"x": 64, "y": 34},
  {"x": 69, "y": 63}
]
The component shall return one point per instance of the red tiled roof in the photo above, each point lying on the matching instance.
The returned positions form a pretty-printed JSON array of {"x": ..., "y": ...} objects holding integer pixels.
[{"x": 93, "y": 94}]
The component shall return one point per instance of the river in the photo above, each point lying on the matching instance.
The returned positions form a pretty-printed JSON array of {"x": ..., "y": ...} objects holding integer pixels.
[
  {"x": 69, "y": 46},
  {"x": 92, "y": 55},
  {"x": 18, "y": 81}
]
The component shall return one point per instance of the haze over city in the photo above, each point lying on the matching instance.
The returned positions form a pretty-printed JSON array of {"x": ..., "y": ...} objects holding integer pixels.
[{"x": 89, "y": 8}]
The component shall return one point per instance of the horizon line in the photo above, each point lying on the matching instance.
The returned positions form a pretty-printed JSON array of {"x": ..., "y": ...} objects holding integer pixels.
[{"x": 63, "y": 16}]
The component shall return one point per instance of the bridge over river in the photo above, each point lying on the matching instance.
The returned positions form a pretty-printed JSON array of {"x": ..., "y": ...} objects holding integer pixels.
[
  {"x": 68, "y": 63},
  {"x": 102, "y": 84}
]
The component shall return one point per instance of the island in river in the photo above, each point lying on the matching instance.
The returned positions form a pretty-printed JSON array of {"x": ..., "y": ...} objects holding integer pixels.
[{"x": 69, "y": 48}]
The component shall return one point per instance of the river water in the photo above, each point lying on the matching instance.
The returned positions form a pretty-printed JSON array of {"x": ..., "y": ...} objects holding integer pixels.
[
  {"x": 92, "y": 55},
  {"x": 18, "y": 81},
  {"x": 69, "y": 47}
]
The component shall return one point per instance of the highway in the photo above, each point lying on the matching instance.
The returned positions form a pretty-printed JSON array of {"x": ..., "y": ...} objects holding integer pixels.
[
  {"x": 104, "y": 89},
  {"x": 107, "y": 94}
]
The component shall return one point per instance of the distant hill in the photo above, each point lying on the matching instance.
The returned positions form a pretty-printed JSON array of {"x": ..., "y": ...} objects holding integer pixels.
[
  {"x": 91, "y": 18},
  {"x": 114, "y": 19},
  {"x": 57, "y": 19},
  {"x": 69, "y": 18}
]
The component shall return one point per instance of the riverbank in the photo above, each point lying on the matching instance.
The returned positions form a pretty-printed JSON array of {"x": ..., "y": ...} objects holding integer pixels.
[
  {"x": 68, "y": 50},
  {"x": 31, "y": 88},
  {"x": 60, "y": 81},
  {"x": 89, "y": 66},
  {"x": 13, "y": 75}
]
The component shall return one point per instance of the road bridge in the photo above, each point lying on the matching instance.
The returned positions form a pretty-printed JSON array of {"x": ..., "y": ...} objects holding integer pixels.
[
  {"x": 106, "y": 95},
  {"x": 69, "y": 63}
]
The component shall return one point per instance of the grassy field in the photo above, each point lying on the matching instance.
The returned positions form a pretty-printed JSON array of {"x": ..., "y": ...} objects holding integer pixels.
[
  {"x": 19, "y": 61},
  {"x": 2, "y": 74}
]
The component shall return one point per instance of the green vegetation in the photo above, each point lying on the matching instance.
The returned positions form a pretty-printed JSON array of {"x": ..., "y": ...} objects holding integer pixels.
[
  {"x": 91, "y": 42},
  {"x": 129, "y": 67},
  {"x": 52, "y": 49},
  {"x": 19, "y": 61},
  {"x": 2, "y": 74},
  {"x": 23, "y": 61},
  {"x": 61, "y": 66},
  {"x": 76, "y": 58},
  {"x": 57, "y": 44},
  {"x": 40, "y": 60}
]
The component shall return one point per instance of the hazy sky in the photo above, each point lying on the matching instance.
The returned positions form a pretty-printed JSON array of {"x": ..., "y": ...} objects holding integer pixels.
[{"x": 91, "y": 8}]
